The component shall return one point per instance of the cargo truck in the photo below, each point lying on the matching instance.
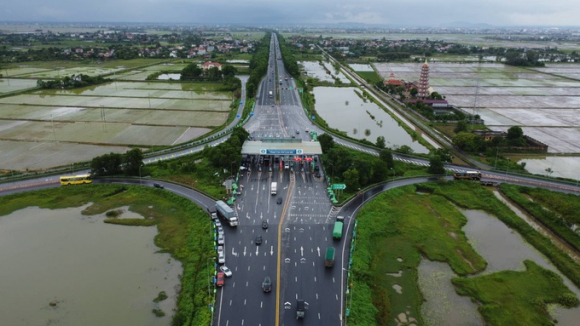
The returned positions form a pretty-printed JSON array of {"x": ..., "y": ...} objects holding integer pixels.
[
  {"x": 274, "y": 188},
  {"x": 337, "y": 231},
  {"x": 212, "y": 212},
  {"x": 226, "y": 212},
  {"x": 329, "y": 257}
]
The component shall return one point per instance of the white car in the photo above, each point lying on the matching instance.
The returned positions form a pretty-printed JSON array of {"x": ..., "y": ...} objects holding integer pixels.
[
  {"x": 226, "y": 270},
  {"x": 220, "y": 239},
  {"x": 221, "y": 257}
]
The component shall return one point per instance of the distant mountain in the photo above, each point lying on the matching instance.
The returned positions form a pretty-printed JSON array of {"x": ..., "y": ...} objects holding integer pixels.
[{"x": 466, "y": 25}]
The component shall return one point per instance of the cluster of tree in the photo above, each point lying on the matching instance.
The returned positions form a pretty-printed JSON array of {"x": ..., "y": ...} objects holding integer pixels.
[
  {"x": 517, "y": 58},
  {"x": 115, "y": 164},
  {"x": 351, "y": 169},
  {"x": 258, "y": 65},
  {"x": 227, "y": 154},
  {"x": 288, "y": 58},
  {"x": 72, "y": 81},
  {"x": 391, "y": 56},
  {"x": 227, "y": 75},
  {"x": 428, "y": 112},
  {"x": 473, "y": 143}
]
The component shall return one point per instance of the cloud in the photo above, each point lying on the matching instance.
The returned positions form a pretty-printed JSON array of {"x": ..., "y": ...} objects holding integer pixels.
[{"x": 407, "y": 13}]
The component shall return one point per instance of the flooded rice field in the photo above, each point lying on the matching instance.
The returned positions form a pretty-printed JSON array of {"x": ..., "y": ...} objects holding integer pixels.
[
  {"x": 343, "y": 109},
  {"x": 169, "y": 76},
  {"x": 361, "y": 67},
  {"x": 317, "y": 71},
  {"x": 8, "y": 85},
  {"x": 557, "y": 166},
  {"x": 96, "y": 120},
  {"x": 544, "y": 101},
  {"x": 62, "y": 268}
]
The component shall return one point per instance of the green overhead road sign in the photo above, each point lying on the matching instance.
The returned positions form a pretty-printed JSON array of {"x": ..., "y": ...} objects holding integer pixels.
[{"x": 339, "y": 186}]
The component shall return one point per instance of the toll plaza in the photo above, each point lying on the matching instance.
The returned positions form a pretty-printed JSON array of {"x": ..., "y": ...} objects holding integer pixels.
[{"x": 280, "y": 153}]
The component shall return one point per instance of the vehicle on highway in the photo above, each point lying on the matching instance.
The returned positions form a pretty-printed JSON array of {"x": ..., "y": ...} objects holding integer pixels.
[
  {"x": 264, "y": 225},
  {"x": 220, "y": 279},
  {"x": 279, "y": 200},
  {"x": 221, "y": 240},
  {"x": 273, "y": 188},
  {"x": 297, "y": 131},
  {"x": 226, "y": 270},
  {"x": 212, "y": 212},
  {"x": 470, "y": 175},
  {"x": 286, "y": 166},
  {"x": 267, "y": 284},
  {"x": 226, "y": 212},
  {"x": 80, "y": 179},
  {"x": 221, "y": 255},
  {"x": 337, "y": 231},
  {"x": 218, "y": 224},
  {"x": 329, "y": 257},
  {"x": 340, "y": 218},
  {"x": 258, "y": 240},
  {"x": 156, "y": 185},
  {"x": 300, "y": 309}
]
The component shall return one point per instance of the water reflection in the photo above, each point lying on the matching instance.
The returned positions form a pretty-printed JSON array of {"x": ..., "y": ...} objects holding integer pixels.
[
  {"x": 442, "y": 305},
  {"x": 343, "y": 109},
  {"x": 60, "y": 267},
  {"x": 504, "y": 249},
  {"x": 559, "y": 166},
  {"x": 169, "y": 76}
]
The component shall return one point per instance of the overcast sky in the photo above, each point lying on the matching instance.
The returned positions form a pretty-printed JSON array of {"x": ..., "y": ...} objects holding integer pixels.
[{"x": 402, "y": 12}]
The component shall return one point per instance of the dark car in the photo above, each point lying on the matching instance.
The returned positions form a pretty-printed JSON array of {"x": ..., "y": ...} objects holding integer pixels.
[
  {"x": 258, "y": 240},
  {"x": 220, "y": 279},
  {"x": 267, "y": 284},
  {"x": 264, "y": 225},
  {"x": 279, "y": 201},
  {"x": 156, "y": 185}
]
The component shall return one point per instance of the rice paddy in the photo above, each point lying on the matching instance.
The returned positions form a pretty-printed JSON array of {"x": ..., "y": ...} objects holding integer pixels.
[{"x": 80, "y": 124}]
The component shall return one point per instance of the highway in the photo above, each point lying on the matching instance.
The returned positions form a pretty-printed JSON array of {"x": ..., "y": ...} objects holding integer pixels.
[{"x": 299, "y": 228}]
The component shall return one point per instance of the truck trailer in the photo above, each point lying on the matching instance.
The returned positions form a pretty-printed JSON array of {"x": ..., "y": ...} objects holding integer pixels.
[
  {"x": 329, "y": 257},
  {"x": 226, "y": 212}
]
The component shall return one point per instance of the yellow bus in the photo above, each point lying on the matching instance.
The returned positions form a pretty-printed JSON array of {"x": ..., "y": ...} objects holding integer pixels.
[{"x": 66, "y": 180}]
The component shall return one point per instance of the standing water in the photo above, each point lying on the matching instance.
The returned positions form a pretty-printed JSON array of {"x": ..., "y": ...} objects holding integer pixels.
[
  {"x": 504, "y": 249},
  {"x": 344, "y": 110},
  {"x": 62, "y": 268}
]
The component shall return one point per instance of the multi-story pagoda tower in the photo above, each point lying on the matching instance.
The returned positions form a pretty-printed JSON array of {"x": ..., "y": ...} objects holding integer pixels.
[{"x": 423, "y": 90}]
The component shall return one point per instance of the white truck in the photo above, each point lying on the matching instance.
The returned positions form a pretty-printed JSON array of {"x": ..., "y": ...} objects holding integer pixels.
[
  {"x": 270, "y": 94},
  {"x": 226, "y": 212},
  {"x": 274, "y": 188}
]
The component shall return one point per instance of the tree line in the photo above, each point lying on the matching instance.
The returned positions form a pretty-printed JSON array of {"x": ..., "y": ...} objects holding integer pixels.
[
  {"x": 72, "y": 81},
  {"x": 118, "y": 164}
]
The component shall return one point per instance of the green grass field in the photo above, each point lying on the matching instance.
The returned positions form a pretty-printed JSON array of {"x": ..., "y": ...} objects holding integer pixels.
[
  {"x": 394, "y": 230},
  {"x": 399, "y": 226},
  {"x": 517, "y": 298}
]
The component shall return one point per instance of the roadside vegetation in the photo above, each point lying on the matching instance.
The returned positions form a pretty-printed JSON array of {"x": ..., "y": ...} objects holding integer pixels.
[
  {"x": 258, "y": 65},
  {"x": 183, "y": 232},
  {"x": 517, "y": 298},
  {"x": 557, "y": 211},
  {"x": 203, "y": 171},
  {"x": 358, "y": 169},
  {"x": 400, "y": 226}
]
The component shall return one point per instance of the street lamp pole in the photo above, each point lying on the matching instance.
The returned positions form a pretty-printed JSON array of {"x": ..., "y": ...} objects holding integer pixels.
[{"x": 140, "y": 166}]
